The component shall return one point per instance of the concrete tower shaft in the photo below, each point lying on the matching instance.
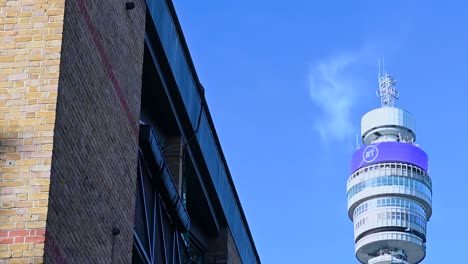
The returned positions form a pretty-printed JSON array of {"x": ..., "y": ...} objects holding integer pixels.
[{"x": 389, "y": 190}]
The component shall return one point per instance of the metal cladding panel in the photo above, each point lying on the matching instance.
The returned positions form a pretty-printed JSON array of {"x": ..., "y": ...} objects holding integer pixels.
[
  {"x": 187, "y": 87},
  {"x": 387, "y": 116},
  {"x": 389, "y": 152}
]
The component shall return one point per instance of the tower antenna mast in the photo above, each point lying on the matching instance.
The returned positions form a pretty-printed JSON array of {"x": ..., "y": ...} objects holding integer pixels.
[{"x": 387, "y": 92}]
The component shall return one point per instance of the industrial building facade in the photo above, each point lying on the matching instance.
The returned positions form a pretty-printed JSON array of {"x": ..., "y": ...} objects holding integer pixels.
[{"x": 108, "y": 149}]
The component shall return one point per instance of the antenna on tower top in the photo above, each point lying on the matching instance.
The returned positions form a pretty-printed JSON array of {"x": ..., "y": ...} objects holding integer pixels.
[
  {"x": 379, "y": 68},
  {"x": 387, "y": 92},
  {"x": 383, "y": 64}
]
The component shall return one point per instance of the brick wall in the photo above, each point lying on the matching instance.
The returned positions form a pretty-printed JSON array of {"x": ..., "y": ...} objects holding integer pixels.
[
  {"x": 30, "y": 41},
  {"x": 93, "y": 179}
]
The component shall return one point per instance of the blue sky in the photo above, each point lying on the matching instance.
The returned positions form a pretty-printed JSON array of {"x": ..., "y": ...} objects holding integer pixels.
[{"x": 287, "y": 84}]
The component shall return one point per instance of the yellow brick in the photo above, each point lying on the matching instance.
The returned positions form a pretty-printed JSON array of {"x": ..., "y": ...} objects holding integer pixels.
[
  {"x": 7, "y": 46},
  {"x": 19, "y": 261},
  {"x": 23, "y": 38},
  {"x": 20, "y": 52},
  {"x": 52, "y": 50},
  {"x": 43, "y": 140},
  {"x": 37, "y": 19},
  {"x": 5, "y": 53},
  {"x": 20, "y": 218},
  {"x": 33, "y": 253},
  {"x": 50, "y": 62},
  {"x": 50, "y": 75},
  {"x": 36, "y": 224},
  {"x": 50, "y": 120},
  {"x": 19, "y": 84},
  {"x": 53, "y": 24},
  {"x": 5, "y": 84},
  {"x": 25, "y": 14},
  {"x": 18, "y": 247},
  {"x": 40, "y": 181},
  {"x": 22, "y": 32},
  {"x": 12, "y": 156},
  {"x": 22, "y": 197},
  {"x": 23, "y": 20},
  {"x": 39, "y": 246},
  {"x": 37, "y": 5},
  {"x": 47, "y": 147},
  {"x": 11, "y": 169},
  {"x": 51, "y": 56},
  {"x": 8, "y": 21},
  {"x": 29, "y": 122},
  {"x": 17, "y": 254},
  {"x": 11, "y": 14},
  {"x": 53, "y": 37},
  {"x": 8, "y": 176},
  {"x": 5, "y": 254},
  {"x": 34, "y": 70},
  {"x": 53, "y": 12},
  {"x": 20, "y": 225},
  {"x": 38, "y": 260},
  {"x": 5, "y": 205},
  {"x": 8, "y": 33},
  {"x": 6, "y": 71},
  {"x": 13, "y": 116},
  {"x": 24, "y": 162},
  {"x": 47, "y": 88},
  {"x": 58, "y": 18},
  {"x": 36, "y": 44},
  {"x": 22, "y": 204},
  {"x": 7, "y": 59},
  {"x": 47, "y": 100},
  {"x": 36, "y": 57},
  {"x": 9, "y": 212},
  {"x": 37, "y": 37},
  {"x": 38, "y": 196},
  {"x": 44, "y": 128},
  {"x": 38, "y": 210},
  {"x": 37, "y": 31},
  {"x": 43, "y": 203},
  {"x": 20, "y": 57},
  {"x": 19, "y": 64},
  {"x": 45, "y": 114}
]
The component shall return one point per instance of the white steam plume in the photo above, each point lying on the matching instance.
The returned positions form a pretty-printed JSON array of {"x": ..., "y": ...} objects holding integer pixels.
[{"x": 334, "y": 94}]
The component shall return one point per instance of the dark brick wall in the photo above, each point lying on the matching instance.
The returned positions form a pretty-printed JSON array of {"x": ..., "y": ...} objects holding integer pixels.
[{"x": 95, "y": 147}]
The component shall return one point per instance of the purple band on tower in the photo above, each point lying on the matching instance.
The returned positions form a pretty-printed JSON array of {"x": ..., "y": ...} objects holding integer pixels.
[{"x": 389, "y": 152}]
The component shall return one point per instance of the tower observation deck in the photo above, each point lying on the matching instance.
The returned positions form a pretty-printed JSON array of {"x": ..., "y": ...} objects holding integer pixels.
[{"x": 389, "y": 190}]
